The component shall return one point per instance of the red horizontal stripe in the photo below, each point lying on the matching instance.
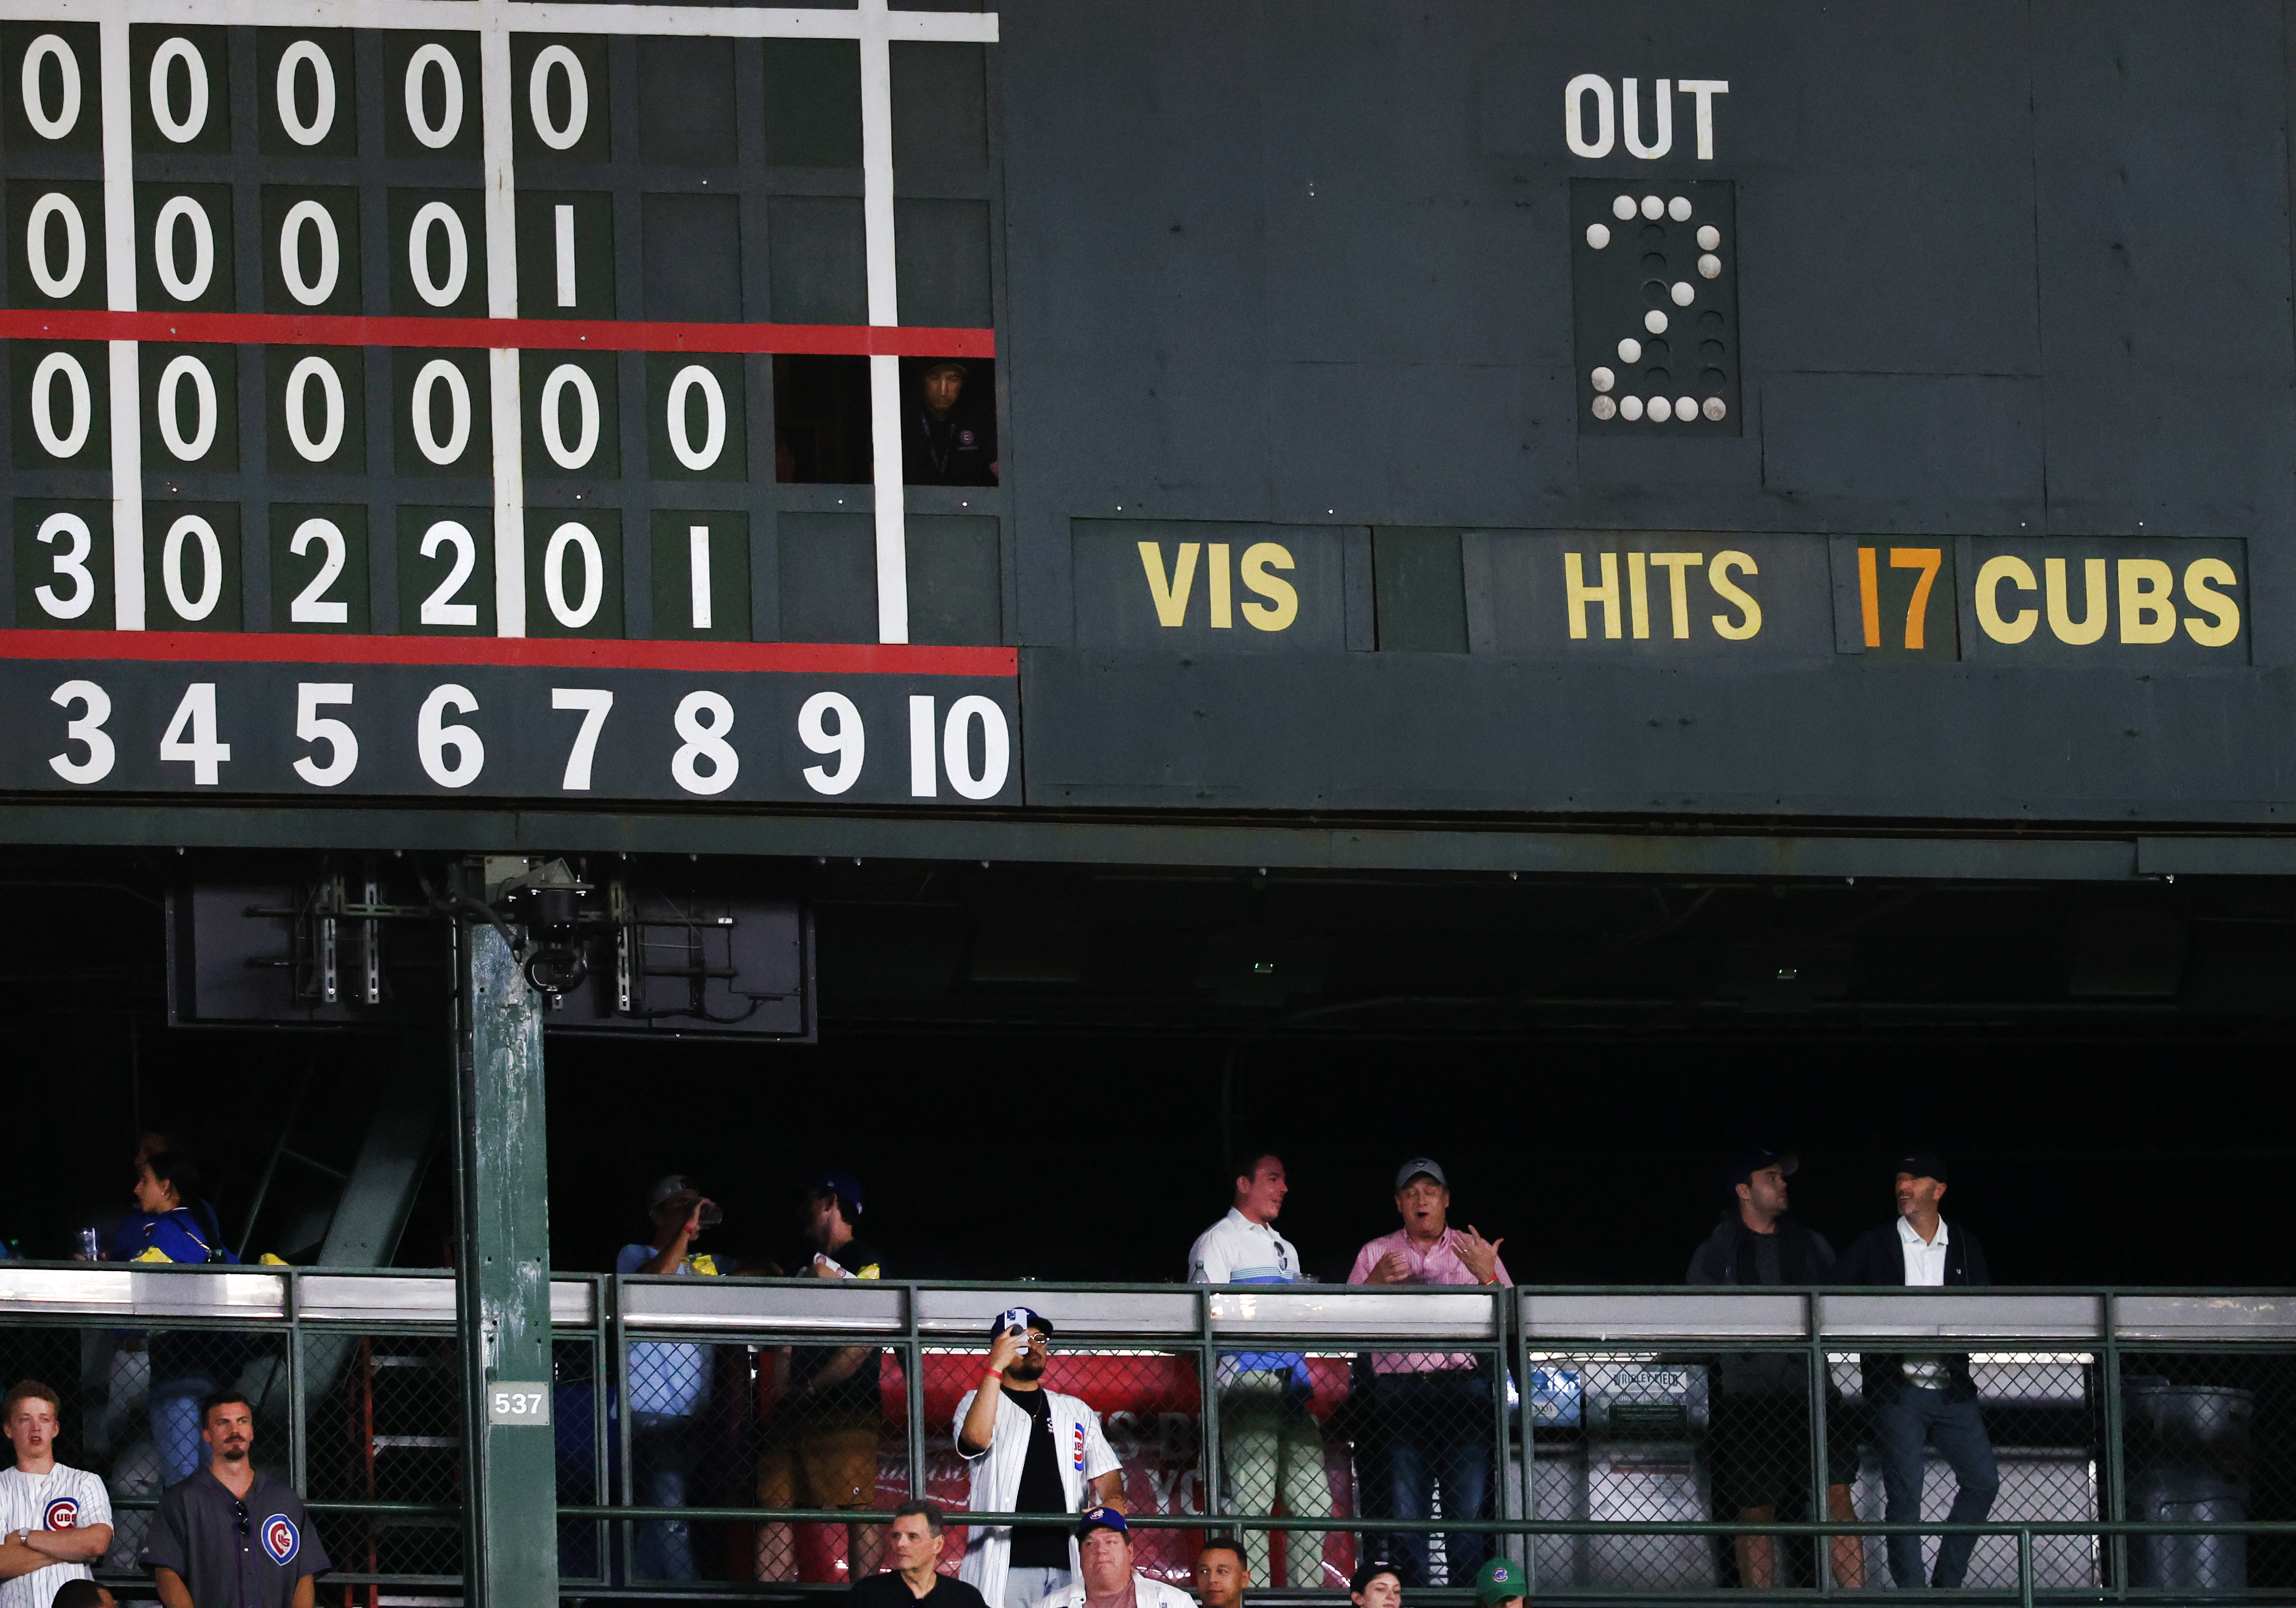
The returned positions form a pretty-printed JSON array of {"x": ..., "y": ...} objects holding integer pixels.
[
  {"x": 563, "y": 653},
  {"x": 531, "y": 334}
]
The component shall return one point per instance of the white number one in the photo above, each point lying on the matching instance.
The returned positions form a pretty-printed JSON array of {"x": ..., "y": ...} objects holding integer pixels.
[
  {"x": 697, "y": 539},
  {"x": 565, "y": 256},
  {"x": 924, "y": 765}
]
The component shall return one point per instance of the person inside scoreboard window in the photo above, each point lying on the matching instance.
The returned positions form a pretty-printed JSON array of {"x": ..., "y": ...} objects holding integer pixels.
[
  {"x": 58, "y": 1520},
  {"x": 949, "y": 432},
  {"x": 232, "y": 1535}
]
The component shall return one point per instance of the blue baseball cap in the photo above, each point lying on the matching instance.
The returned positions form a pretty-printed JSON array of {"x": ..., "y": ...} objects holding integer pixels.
[
  {"x": 1023, "y": 1318},
  {"x": 1101, "y": 1518},
  {"x": 833, "y": 1180}
]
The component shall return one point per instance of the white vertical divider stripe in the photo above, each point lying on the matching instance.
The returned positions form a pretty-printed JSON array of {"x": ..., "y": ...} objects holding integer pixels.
[
  {"x": 884, "y": 309},
  {"x": 119, "y": 296},
  {"x": 498, "y": 106}
]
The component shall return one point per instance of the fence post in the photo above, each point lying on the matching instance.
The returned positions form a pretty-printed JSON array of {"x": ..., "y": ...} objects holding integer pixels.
[
  {"x": 1208, "y": 1415},
  {"x": 1527, "y": 1506},
  {"x": 503, "y": 1277},
  {"x": 913, "y": 1369},
  {"x": 1821, "y": 1472},
  {"x": 2112, "y": 1501},
  {"x": 2025, "y": 1567}
]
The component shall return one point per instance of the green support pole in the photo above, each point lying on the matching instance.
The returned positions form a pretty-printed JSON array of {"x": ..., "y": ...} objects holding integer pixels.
[{"x": 503, "y": 1280}]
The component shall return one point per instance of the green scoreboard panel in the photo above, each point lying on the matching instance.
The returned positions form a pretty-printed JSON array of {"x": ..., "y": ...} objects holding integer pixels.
[{"x": 425, "y": 397}]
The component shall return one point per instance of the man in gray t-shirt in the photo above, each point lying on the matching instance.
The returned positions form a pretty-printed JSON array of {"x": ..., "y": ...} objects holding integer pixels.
[
  {"x": 1759, "y": 1436},
  {"x": 231, "y": 1537}
]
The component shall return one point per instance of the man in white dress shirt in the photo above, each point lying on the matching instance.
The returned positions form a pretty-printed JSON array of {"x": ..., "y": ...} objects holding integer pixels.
[
  {"x": 1270, "y": 1443},
  {"x": 1920, "y": 1400},
  {"x": 1032, "y": 1451},
  {"x": 54, "y": 1521}
]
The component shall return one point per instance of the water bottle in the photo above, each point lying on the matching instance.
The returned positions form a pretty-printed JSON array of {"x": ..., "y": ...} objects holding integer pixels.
[{"x": 89, "y": 1251}]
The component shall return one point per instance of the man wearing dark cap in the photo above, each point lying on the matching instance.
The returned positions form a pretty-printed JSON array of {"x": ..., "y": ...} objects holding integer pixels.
[
  {"x": 1431, "y": 1411},
  {"x": 1925, "y": 1399},
  {"x": 1032, "y": 1451},
  {"x": 1761, "y": 1407},
  {"x": 1105, "y": 1577},
  {"x": 669, "y": 1382},
  {"x": 826, "y": 1417},
  {"x": 949, "y": 438}
]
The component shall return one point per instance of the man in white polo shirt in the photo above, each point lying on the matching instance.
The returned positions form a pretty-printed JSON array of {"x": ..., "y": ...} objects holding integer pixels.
[
  {"x": 1920, "y": 1400},
  {"x": 1270, "y": 1443},
  {"x": 54, "y": 1521}
]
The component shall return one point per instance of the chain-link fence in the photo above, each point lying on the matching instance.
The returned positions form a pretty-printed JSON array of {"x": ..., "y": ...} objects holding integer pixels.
[
  {"x": 1618, "y": 1444},
  {"x": 385, "y": 1428},
  {"x": 2209, "y": 1437}
]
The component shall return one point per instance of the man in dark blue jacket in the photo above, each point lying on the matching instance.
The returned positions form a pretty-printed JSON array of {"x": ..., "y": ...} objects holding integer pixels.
[{"x": 1918, "y": 1399}]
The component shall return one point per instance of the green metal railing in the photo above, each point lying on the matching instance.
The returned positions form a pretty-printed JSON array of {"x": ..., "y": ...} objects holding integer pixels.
[{"x": 1638, "y": 1408}]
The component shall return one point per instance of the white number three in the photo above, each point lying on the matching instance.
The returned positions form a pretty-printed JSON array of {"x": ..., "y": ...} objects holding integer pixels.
[{"x": 86, "y": 728}]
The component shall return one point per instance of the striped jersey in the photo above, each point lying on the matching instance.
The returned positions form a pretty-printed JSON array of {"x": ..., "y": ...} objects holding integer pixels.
[
  {"x": 62, "y": 1498},
  {"x": 1236, "y": 1250},
  {"x": 1081, "y": 1455}
]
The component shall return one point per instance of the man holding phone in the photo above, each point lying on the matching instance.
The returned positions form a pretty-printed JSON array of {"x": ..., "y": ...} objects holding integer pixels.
[
  {"x": 670, "y": 1384},
  {"x": 1032, "y": 1451}
]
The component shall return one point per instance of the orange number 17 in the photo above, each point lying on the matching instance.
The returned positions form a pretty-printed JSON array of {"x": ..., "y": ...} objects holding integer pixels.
[{"x": 1929, "y": 561}]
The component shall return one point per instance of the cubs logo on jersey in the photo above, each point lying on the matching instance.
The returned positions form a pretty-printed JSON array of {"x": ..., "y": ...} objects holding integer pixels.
[
  {"x": 281, "y": 1538},
  {"x": 1080, "y": 1448},
  {"x": 62, "y": 1512}
]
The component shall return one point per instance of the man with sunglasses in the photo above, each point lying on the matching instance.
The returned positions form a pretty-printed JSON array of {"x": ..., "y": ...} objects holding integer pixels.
[
  {"x": 1032, "y": 1451},
  {"x": 230, "y": 1536}
]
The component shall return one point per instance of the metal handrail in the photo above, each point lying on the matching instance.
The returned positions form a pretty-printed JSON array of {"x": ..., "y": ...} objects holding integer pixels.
[{"x": 1521, "y": 1328}]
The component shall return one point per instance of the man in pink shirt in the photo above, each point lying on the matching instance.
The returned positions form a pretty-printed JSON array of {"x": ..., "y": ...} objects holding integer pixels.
[{"x": 1431, "y": 1412}]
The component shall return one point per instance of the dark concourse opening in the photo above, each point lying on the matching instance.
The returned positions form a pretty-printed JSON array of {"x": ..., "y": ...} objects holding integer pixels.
[
  {"x": 1036, "y": 1070},
  {"x": 821, "y": 421}
]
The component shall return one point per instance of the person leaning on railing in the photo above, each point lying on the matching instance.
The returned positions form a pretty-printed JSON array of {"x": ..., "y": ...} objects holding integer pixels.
[
  {"x": 172, "y": 1224},
  {"x": 1431, "y": 1412},
  {"x": 827, "y": 1416},
  {"x": 1761, "y": 1409},
  {"x": 1927, "y": 1397},
  {"x": 1032, "y": 1451},
  {"x": 1270, "y": 1443},
  {"x": 670, "y": 1384}
]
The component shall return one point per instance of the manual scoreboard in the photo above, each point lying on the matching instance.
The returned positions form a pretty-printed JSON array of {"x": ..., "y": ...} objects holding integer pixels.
[
  {"x": 431, "y": 397},
  {"x": 1641, "y": 411}
]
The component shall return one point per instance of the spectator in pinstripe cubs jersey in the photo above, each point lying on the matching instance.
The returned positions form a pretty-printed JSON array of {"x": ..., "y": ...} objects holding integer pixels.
[
  {"x": 1270, "y": 1444},
  {"x": 57, "y": 1520},
  {"x": 1032, "y": 1451}
]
